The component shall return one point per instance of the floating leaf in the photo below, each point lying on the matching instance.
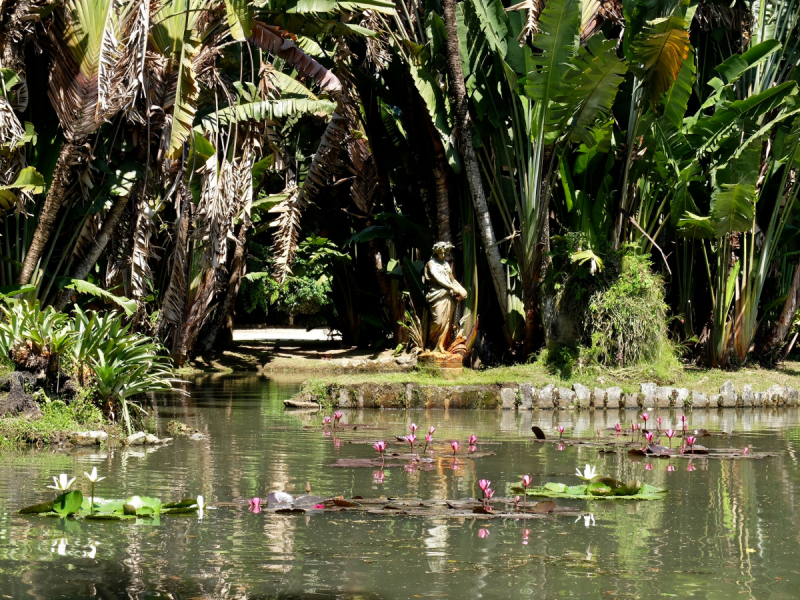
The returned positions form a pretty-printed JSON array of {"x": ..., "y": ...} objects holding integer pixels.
[
  {"x": 44, "y": 507},
  {"x": 545, "y": 507},
  {"x": 559, "y": 488},
  {"x": 68, "y": 504}
]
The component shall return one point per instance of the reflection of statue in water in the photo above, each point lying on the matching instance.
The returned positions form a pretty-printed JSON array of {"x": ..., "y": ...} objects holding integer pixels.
[{"x": 443, "y": 293}]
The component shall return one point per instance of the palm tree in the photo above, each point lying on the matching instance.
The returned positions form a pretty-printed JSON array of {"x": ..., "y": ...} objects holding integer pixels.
[{"x": 96, "y": 73}]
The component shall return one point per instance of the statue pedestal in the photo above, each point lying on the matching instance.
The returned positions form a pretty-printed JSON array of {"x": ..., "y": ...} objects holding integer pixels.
[{"x": 449, "y": 366}]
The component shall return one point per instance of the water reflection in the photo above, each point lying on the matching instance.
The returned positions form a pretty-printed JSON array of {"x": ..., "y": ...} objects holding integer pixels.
[{"x": 725, "y": 528}]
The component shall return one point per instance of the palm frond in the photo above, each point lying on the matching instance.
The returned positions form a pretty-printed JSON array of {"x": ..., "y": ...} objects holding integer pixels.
[
  {"x": 272, "y": 39},
  {"x": 98, "y": 67}
]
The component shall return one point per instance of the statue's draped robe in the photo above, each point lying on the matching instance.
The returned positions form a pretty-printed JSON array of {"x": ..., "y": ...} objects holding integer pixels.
[{"x": 442, "y": 292}]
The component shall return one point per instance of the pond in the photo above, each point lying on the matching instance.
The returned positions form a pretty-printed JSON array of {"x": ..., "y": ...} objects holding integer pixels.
[{"x": 728, "y": 528}]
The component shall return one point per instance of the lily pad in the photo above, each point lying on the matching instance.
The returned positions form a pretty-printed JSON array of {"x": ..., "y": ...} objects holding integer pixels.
[
  {"x": 68, "y": 504},
  {"x": 558, "y": 488},
  {"x": 37, "y": 509},
  {"x": 646, "y": 492}
]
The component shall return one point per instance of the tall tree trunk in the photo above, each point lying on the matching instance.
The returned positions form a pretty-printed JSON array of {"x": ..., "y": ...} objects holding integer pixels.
[
  {"x": 416, "y": 140},
  {"x": 13, "y": 34},
  {"x": 458, "y": 96},
  {"x": 71, "y": 155},
  {"x": 222, "y": 325},
  {"x": 780, "y": 330},
  {"x": 98, "y": 245},
  {"x": 441, "y": 188}
]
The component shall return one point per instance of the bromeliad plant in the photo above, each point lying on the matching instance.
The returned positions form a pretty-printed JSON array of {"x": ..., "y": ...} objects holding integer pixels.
[{"x": 99, "y": 352}]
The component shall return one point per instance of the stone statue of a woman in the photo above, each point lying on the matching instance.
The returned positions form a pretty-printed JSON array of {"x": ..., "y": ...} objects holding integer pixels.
[{"x": 443, "y": 291}]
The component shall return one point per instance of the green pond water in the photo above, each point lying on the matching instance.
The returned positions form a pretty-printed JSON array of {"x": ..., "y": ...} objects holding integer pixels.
[{"x": 728, "y": 529}]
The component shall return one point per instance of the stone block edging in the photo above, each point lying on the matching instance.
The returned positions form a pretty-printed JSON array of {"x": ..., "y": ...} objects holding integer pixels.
[{"x": 525, "y": 397}]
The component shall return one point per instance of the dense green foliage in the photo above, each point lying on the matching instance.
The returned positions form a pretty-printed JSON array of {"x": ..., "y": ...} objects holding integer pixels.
[
  {"x": 108, "y": 365},
  {"x": 310, "y": 154}
]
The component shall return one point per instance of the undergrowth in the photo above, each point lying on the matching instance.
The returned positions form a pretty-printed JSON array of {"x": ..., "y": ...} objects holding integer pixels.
[{"x": 57, "y": 419}]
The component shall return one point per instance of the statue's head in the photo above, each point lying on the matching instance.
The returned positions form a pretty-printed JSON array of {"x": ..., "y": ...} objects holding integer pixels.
[{"x": 441, "y": 248}]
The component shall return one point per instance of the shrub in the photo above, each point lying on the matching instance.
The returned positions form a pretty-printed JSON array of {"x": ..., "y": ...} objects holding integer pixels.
[
  {"x": 627, "y": 321},
  {"x": 98, "y": 351},
  {"x": 615, "y": 316}
]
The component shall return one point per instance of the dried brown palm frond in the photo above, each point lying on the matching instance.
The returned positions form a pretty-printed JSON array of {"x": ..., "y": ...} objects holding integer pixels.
[
  {"x": 364, "y": 186},
  {"x": 280, "y": 43},
  {"x": 99, "y": 59},
  {"x": 120, "y": 248},
  {"x": 12, "y": 158},
  {"x": 532, "y": 9},
  {"x": 86, "y": 237},
  {"x": 141, "y": 274},
  {"x": 284, "y": 240},
  {"x": 19, "y": 20},
  {"x": 227, "y": 192},
  {"x": 326, "y": 163},
  {"x": 595, "y": 13},
  {"x": 377, "y": 56},
  {"x": 199, "y": 308},
  {"x": 174, "y": 303},
  {"x": 737, "y": 19}
]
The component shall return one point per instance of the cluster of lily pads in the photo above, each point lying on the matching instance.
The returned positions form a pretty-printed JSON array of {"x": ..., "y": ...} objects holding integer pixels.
[
  {"x": 595, "y": 486},
  {"x": 72, "y": 503}
]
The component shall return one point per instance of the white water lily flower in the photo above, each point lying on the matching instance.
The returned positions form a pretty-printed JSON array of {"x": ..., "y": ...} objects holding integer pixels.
[
  {"x": 588, "y": 474},
  {"x": 136, "y": 502},
  {"x": 62, "y": 483},
  {"x": 93, "y": 477}
]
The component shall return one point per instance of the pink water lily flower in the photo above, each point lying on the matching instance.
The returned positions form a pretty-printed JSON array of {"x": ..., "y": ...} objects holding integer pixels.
[
  {"x": 691, "y": 440},
  {"x": 644, "y": 417},
  {"x": 648, "y": 436},
  {"x": 560, "y": 430},
  {"x": 489, "y": 493},
  {"x": 483, "y": 533},
  {"x": 380, "y": 448},
  {"x": 454, "y": 445},
  {"x": 484, "y": 484},
  {"x": 648, "y": 467},
  {"x": 560, "y": 447},
  {"x": 691, "y": 467},
  {"x": 618, "y": 427},
  {"x": 413, "y": 427},
  {"x": 526, "y": 481},
  {"x": 411, "y": 439},
  {"x": 255, "y": 505},
  {"x": 431, "y": 430},
  {"x": 318, "y": 506},
  {"x": 428, "y": 440},
  {"x": 670, "y": 468},
  {"x": 473, "y": 439},
  {"x": 669, "y": 433},
  {"x": 336, "y": 417},
  {"x": 659, "y": 421},
  {"x": 746, "y": 450},
  {"x": 326, "y": 420}
]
